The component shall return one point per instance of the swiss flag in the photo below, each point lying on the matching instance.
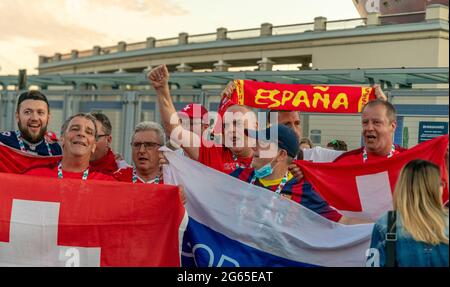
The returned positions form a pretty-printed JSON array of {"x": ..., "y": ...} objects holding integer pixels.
[
  {"x": 16, "y": 161},
  {"x": 366, "y": 189},
  {"x": 53, "y": 222}
]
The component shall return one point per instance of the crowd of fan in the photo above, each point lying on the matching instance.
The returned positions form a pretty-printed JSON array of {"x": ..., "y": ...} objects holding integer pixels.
[{"x": 85, "y": 146}]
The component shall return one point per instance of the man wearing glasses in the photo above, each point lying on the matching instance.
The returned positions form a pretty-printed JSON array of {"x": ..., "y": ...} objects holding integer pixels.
[
  {"x": 147, "y": 139},
  {"x": 103, "y": 159}
]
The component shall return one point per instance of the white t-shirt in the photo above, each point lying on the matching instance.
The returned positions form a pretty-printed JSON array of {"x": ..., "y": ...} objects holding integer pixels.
[
  {"x": 122, "y": 164},
  {"x": 320, "y": 154}
]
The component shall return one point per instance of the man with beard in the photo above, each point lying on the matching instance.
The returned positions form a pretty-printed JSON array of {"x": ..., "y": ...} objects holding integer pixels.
[{"x": 32, "y": 116}]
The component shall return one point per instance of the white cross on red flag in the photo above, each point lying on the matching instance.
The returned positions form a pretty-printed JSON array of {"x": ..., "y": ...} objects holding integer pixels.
[
  {"x": 365, "y": 190},
  {"x": 53, "y": 222}
]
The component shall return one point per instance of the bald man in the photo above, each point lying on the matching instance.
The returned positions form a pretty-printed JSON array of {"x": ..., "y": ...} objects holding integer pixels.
[{"x": 236, "y": 150}]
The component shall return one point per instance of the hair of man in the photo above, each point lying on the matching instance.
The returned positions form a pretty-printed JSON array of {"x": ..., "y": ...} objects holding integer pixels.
[
  {"x": 151, "y": 126},
  {"x": 83, "y": 115},
  {"x": 104, "y": 120},
  {"x": 32, "y": 95},
  {"x": 391, "y": 112}
]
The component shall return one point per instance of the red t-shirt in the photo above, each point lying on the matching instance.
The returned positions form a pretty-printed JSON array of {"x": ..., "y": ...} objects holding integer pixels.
[
  {"x": 221, "y": 159},
  {"x": 52, "y": 171},
  {"x": 106, "y": 164},
  {"x": 356, "y": 156},
  {"x": 126, "y": 175}
]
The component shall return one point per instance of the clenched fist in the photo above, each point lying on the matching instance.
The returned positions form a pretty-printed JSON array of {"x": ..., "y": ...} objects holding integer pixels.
[{"x": 159, "y": 77}]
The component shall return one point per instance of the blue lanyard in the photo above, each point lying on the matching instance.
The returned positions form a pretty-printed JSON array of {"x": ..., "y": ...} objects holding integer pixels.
[
  {"x": 60, "y": 172},
  {"x": 22, "y": 145}
]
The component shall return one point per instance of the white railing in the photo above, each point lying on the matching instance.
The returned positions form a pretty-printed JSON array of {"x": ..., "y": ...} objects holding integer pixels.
[{"x": 246, "y": 33}]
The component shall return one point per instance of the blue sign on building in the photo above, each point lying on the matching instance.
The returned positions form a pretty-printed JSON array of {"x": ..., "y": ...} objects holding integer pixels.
[{"x": 429, "y": 130}]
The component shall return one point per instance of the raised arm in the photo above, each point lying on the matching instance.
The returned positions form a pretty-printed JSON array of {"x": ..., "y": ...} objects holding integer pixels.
[
  {"x": 379, "y": 94},
  {"x": 229, "y": 89},
  {"x": 159, "y": 78}
]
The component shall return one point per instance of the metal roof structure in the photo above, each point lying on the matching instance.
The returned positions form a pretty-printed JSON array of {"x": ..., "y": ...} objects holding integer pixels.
[{"x": 390, "y": 77}]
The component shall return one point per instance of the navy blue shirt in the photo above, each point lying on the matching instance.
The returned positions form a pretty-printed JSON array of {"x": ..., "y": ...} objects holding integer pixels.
[
  {"x": 301, "y": 192},
  {"x": 10, "y": 139}
]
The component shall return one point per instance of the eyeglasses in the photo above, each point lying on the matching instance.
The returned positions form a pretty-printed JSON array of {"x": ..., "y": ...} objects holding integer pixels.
[{"x": 147, "y": 145}]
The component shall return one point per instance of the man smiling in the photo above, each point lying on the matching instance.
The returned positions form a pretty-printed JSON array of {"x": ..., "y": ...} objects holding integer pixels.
[
  {"x": 32, "y": 116},
  {"x": 78, "y": 140}
]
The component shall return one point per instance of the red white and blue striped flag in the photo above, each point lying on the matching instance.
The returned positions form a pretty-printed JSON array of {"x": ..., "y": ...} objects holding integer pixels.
[{"x": 233, "y": 223}]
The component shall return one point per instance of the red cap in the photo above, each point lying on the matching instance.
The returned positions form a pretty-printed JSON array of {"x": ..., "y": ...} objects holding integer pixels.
[
  {"x": 51, "y": 137},
  {"x": 193, "y": 111}
]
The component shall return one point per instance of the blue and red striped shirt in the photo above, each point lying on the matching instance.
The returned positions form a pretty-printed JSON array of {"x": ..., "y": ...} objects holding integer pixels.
[
  {"x": 301, "y": 192},
  {"x": 49, "y": 141}
]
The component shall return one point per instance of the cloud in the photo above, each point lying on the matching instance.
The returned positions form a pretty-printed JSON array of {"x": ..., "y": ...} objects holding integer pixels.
[
  {"x": 49, "y": 26},
  {"x": 35, "y": 22},
  {"x": 152, "y": 7}
]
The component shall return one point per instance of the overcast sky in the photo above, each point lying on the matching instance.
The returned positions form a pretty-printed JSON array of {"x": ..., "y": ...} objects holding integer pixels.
[{"x": 31, "y": 28}]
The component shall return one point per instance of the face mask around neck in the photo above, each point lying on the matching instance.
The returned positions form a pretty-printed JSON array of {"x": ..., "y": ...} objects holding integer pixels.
[{"x": 265, "y": 170}]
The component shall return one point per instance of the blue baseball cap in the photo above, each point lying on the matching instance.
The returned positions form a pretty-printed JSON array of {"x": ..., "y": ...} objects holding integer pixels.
[{"x": 287, "y": 139}]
